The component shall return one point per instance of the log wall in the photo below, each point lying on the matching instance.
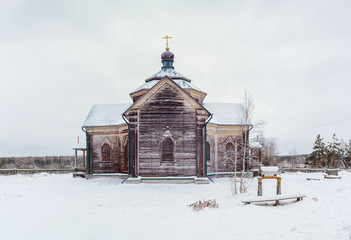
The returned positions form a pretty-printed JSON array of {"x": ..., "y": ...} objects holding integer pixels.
[
  {"x": 116, "y": 138},
  {"x": 167, "y": 113}
]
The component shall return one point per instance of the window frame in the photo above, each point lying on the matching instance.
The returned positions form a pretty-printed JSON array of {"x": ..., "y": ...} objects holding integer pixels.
[
  {"x": 105, "y": 158},
  {"x": 169, "y": 151}
]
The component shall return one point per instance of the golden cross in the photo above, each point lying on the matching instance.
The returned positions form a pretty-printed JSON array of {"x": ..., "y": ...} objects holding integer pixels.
[{"x": 166, "y": 37}]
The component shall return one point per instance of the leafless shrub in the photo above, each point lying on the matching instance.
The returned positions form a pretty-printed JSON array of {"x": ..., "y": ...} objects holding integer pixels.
[
  {"x": 247, "y": 183},
  {"x": 200, "y": 205}
]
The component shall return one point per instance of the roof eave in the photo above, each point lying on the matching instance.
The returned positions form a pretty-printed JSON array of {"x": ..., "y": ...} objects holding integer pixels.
[
  {"x": 174, "y": 78},
  {"x": 227, "y": 124},
  {"x": 94, "y": 126}
]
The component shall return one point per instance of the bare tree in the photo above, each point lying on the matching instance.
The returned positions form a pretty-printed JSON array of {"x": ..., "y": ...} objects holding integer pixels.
[
  {"x": 269, "y": 151},
  {"x": 293, "y": 158},
  {"x": 247, "y": 122},
  {"x": 238, "y": 151},
  {"x": 231, "y": 159}
]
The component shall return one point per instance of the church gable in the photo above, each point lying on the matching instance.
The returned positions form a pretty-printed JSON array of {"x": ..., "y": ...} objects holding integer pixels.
[
  {"x": 166, "y": 90},
  {"x": 167, "y": 98}
]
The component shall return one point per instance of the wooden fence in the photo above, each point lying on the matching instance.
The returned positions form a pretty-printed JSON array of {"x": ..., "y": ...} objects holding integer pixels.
[
  {"x": 33, "y": 171},
  {"x": 309, "y": 170}
]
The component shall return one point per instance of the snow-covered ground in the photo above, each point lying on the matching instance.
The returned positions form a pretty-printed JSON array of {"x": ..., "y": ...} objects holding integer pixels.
[{"x": 46, "y": 206}]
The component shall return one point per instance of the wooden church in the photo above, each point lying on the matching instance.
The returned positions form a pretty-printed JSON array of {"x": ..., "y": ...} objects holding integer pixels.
[{"x": 168, "y": 130}]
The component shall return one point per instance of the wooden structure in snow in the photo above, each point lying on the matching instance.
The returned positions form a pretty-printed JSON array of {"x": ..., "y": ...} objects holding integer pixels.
[
  {"x": 269, "y": 173},
  {"x": 76, "y": 150},
  {"x": 332, "y": 174}
]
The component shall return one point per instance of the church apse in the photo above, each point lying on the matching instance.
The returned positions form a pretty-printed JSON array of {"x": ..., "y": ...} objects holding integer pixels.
[{"x": 167, "y": 137}]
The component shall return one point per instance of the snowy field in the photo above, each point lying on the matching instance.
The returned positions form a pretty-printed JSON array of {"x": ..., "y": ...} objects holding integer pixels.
[{"x": 46, "y": 206}]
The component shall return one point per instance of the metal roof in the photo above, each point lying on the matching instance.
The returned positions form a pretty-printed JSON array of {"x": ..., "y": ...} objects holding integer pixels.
[
  {"x": 167, "y": 72},
  {"x": 111, "y": 114},
  {"x": 182, "y": 83},
  {"x": 106, "y": 115},
  {"x": 225, "y": 113}
]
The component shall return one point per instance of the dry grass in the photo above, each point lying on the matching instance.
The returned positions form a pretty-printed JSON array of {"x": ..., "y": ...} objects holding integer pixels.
[{"x": 200, "y": 205}]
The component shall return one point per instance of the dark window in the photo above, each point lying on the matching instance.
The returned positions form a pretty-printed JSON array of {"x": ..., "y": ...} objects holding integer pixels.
[
  {"x": 229, "y": 151},
  {"x": 208, "y": 151},
  {"x": 167, "y": 148},
  {"x": 106, "y": 153}
]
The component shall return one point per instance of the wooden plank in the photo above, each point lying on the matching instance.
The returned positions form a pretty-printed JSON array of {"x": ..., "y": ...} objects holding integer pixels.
[
  {"x": 311, "y": 179},
  {"x": 331, "y": 177},
  {"x": 298, "y": 197}
]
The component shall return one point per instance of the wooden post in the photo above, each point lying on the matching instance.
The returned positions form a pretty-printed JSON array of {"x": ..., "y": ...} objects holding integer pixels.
[
  {"x": 133, "y": 144},
  {"x": 90, "y": 159},
  {"x": 200, "y": 152},
  {"x": 216, "y": 152},
  {"x": 259, "y": 157},
  {"x": 279, "y": 189},
  {"x": 200, "y": 141},
  {"x": 75, "y": 158},
  {"x": 83, "y": 158},
  {"x": 259, "y": 189}
]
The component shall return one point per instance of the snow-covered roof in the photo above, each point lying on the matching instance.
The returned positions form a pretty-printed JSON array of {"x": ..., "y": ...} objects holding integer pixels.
[
  {"x": 271, "y": 169},
  {"x": 167, "y": 72},
  {"x": 106, "y": 115},
  {"x": 182, "y": 83},
  {"x": 255, "y": 144},
  {"x": 225, "y": 113},
  {"x": 111, "y": 114}
]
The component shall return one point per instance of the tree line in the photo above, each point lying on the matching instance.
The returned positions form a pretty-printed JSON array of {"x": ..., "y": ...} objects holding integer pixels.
[{"x": 334, "y": 154}]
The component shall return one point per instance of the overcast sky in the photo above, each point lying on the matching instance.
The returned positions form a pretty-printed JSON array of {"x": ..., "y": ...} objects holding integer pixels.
[{"x": 58, "y": 58}]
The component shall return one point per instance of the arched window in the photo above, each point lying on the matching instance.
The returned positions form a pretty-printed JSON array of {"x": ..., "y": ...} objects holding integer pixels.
[
  {"x": 208, "y": 151},
  {"x": 106, "y": 153},
  {"x": 229, "y": 151},
  {"x": 167, "y": 149}
]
